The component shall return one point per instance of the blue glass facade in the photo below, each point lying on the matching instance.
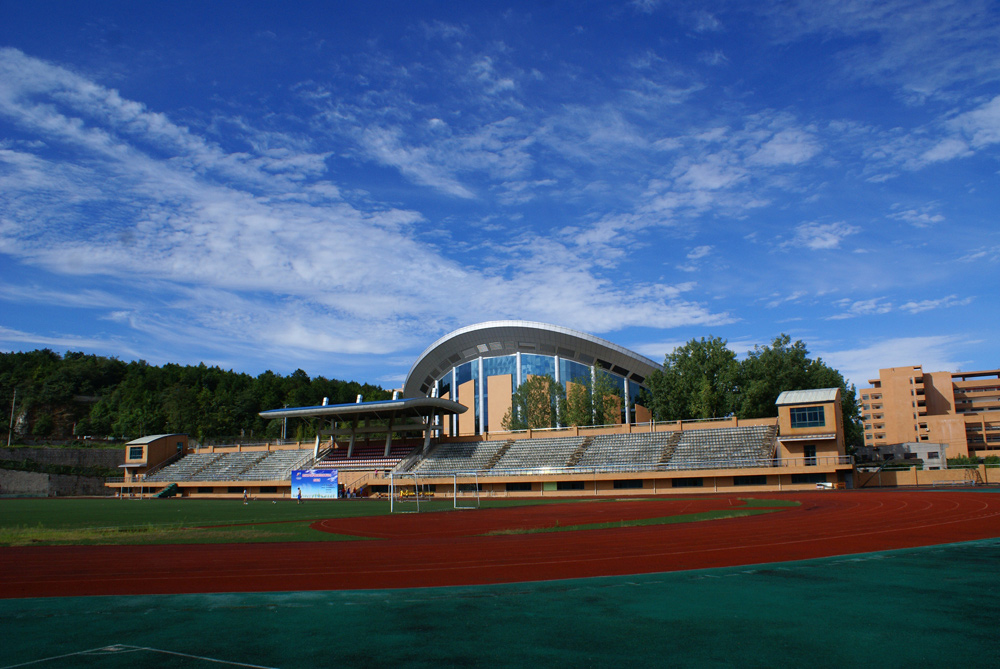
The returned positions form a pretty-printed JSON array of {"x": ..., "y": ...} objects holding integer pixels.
[{"x": 532, "y": 364}]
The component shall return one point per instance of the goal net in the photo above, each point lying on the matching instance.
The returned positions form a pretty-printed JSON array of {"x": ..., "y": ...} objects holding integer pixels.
[{"x": 408, "y": 490}]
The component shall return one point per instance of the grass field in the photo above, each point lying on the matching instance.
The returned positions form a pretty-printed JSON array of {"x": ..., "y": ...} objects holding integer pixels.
[
  {"x": 901, "y": 608},
  {"x": 926, "y": 607},
  {"x": 162, "y": 521}
]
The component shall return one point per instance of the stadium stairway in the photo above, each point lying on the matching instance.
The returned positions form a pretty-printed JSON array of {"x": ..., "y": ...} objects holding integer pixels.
[
  {"x": 170, "y": 491},
  {"x": 499, "y": 454},
  {"x": 575, "y": 458}
]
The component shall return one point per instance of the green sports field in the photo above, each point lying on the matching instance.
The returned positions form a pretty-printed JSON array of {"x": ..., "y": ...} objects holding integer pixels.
[
  {"x": 162, "y": 521},
  {"x": 152, "y": 521},
  {"x": 915, "y": 607},
  {"x": 927, "y": 607}
]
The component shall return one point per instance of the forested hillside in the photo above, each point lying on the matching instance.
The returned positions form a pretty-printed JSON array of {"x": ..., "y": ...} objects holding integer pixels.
[{"x": 76, "y": 395}]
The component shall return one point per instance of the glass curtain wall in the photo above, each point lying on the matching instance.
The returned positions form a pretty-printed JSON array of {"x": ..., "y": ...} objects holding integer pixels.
[
  {"x": 534, "y": 365},
  {"x": 500, "y": 366}
]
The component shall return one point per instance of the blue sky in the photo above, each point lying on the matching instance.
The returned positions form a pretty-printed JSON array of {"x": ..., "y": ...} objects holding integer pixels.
[{"x": 263, "y": 186}]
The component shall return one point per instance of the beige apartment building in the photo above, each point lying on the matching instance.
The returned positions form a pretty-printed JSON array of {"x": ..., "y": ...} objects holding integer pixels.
[{"x": 960, "y": 410}]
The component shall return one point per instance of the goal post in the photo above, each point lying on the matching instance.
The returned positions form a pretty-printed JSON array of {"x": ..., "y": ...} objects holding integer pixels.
[
  {"x": 475, "y": 490},
  {"x": 406, "y": 490},
  {"x": 399, "y": 492}
]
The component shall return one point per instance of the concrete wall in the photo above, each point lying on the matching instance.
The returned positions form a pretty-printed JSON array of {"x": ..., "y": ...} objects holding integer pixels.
[
  {"x": 50, "y": 485},
  {"x": 936, "y": 477},
  {"x": 23, "y": 483},
  {"x": 68, "y": 457}
]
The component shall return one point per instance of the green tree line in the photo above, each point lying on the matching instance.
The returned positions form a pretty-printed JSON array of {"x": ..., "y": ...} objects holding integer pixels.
[
  {"x": 701, "y": 379},
  {"x": 75, "y": 395},
  {"x": 704, "y": 379}
]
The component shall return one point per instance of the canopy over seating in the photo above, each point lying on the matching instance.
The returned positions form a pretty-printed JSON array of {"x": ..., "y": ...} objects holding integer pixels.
[{"x": 392, "y": 415}]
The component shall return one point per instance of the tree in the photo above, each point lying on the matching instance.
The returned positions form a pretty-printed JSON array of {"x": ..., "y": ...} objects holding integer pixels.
[
  {"x": 578, "y": 407},
  {"x": 769, "y": 370},
  {"x": 533, "y": 405},
  {"x": 698, "y": 381},
  {"x": 607, "y": 400},
  {"x": 586, "y": 405}
]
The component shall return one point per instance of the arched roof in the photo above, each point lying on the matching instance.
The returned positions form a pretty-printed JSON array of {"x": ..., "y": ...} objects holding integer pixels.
[
  {"x": 496, "y": 338},
  {"x": 418, "y": 407}
]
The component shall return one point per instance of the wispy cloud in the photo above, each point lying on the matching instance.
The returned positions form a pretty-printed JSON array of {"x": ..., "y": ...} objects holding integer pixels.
[
  {"x": 822, "y": 236},
  {"x": 934, "y": 353},
  {"x": 258, "y": 246},
  {"x": 941, "y": 303},
  {"x": 855, "y": 308}
]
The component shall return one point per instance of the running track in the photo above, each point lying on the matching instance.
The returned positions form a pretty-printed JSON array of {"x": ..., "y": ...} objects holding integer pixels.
[{"x": 449, "y": 549}]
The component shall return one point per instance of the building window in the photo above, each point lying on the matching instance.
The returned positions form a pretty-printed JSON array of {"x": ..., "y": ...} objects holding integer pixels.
[
  {"x": 933, "y": 455},
  {"x": 809, "y": 451},
  {"x": 518, "y": 486},
  {"x": 569, "y": 485},
  {"x": 687, "y": 483},
  {"x": 628, "y": 484},
  {"x": 807, "y": 417},
  {"x": 808, "y": 478},
  {"x": 759, "y": 479},
  {"x": 135, "y": 452}
]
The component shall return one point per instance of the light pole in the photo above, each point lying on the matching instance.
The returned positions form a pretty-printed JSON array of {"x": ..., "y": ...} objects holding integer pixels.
[{"x": 10, "y": 428}]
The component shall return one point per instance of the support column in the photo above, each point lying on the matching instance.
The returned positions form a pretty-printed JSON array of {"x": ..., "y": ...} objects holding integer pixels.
[
  {"x": 454, "y": 395},
  {"x": 628, "y": 411},
  {"x": 427, "y": 432},
  {"x": 481, "y": 398},
  {"x": 388, "y": 438},
  {"x": 593, "y": 389},
  {"x": 558, "y": 382}
]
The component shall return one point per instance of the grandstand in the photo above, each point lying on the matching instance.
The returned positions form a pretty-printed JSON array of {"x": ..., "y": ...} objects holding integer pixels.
[
  {"x": 364, "y": 456},
  {"x": 719, "y": 448},
  {"x": 445, "y": 427},
  {"x": 239, "y": 466},
  {"x": 724, "y": 448}
]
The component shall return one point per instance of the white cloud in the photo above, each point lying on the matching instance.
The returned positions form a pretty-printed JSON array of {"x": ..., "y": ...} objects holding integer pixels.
[
  {"x": 934, "y": 353},
  {"x": 822, "y": 236},
  {"x": 855, "y": 308},
  {"x": 10, "y": 336},
  {"x": 923, "y": 49},
  {"x": 941, "y": 303},
  {"x": 981, "y": 125},
  {"x": 257, "y": 250},
  {"x": 989, "y": 253},
  {"x": 699, "y": 252},
  {"x": 788, "y": 147},
  {"x": 946, "y": 149},
  {"x": 920, "y": 218}
]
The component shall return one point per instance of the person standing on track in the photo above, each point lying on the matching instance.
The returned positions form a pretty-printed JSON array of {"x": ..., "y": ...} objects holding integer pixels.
[{"x": 299, "y": 496}]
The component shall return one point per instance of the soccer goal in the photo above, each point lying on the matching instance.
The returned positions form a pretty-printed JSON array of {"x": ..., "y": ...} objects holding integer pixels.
[
  {"x": 471, "y": 502},
  {"x": 406, "y": 491}
]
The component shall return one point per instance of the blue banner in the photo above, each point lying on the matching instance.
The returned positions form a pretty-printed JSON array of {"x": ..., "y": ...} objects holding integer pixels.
[{"x": 314, "y": 483}]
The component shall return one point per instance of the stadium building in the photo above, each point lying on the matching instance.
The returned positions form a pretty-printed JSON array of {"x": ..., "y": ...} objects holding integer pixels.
[
  {"x": 444, "y": 433},
  {"x": 957, "y": 412}
]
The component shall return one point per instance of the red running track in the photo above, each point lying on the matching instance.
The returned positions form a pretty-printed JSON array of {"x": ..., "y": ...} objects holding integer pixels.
[{"x": 438, "y": 549}]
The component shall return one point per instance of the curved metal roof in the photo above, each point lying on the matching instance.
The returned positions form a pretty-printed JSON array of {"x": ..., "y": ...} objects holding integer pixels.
[
  {"x": 807, "y": 396},
  {"x": 419, "y": 407},
  {"x": 496, "y": 338}
]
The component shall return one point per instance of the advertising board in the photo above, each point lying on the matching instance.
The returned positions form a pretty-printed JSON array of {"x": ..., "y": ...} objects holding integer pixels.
[{"x": 315, "y": 483}]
